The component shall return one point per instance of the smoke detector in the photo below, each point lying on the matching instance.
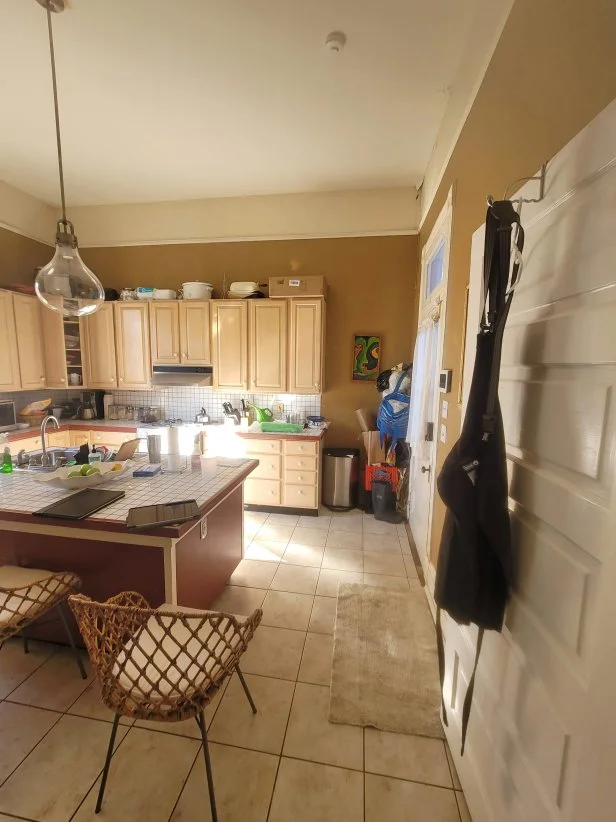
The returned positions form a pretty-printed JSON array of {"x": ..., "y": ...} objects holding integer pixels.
[{"x": 335, "y": 41}]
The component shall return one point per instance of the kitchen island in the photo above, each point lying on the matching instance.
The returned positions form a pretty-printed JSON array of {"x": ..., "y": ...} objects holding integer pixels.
[{"x": 186, "y": 565}]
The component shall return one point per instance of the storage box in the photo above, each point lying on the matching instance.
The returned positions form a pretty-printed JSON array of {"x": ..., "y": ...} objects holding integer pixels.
[
  {"x": 313, "y": 286},
  {"x": 372, "y": 444},
  {"x": 366, "y": 419}
]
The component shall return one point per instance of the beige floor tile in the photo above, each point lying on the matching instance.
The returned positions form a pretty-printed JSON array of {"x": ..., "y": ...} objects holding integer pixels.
[
  {"x": 382, "y": 563},
  {"x": 310, "y": 734},
  {"x": 146, "y": 776},
  {"x": 21, "y": 727},
  {"x": 375, "y": 526},
  {"x": 454, "y": 774},
  {"x": 188, "y": 727},
  {"x": 256, "y": 772},
  {"x": 352, "y": 522},
  {"x": 237, "y": 600},
  {"x": 307, "y": 555},
  {"x": 295, "y": 579},
  {"x": 285, "y": 610},
  {"x": 383, "y": 543},
  {"x": 417, "y": 758},
  {"x": 411, "y": 568},
  {"x": 344, "y": 539},
  {"x": 251, "y": 529},
  {"x": 56, "y": 684},
  {"x": 465, "y": 814},
  {"x": 405, "y": 546},
  {"x": 323, "y": 616},
  {"x": 307, "y": 792},
  {"x": 385, "y": 581},
  {"x": 255, "y": 516},
  {"x": 52, "y": 781},
  {"x": 251, "y": 573},
  {"x": 235, "y": 724},
  {"x": 316, "y": 667},
  {"x": 329, "y": 581},
  {"x": 265, "y": 550},
  {"x": 290, "y": 520},
  {"x": 310, "y": 536},
  {"x": 321, "y": 522},
  {"x": 343, "y": 559},
  {"x": 277, "y": 533},
  {"x": 274, "y": 652},
  {"x": 16, "y": 666},
  {"x": 392, "y": 800},
  {"x": 90, "y": 705}
]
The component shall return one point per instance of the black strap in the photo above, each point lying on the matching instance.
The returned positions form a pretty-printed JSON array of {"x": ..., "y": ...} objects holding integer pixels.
[
  {"x": 440, "y": 646},
  {"x": 466, "y": 710}
]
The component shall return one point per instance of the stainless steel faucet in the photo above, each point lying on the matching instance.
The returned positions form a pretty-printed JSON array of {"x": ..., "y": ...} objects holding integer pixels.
[{"x": 46, "y": 458}]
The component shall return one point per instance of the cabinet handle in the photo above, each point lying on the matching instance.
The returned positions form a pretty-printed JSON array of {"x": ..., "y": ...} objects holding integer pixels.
[
  {"x": 42, "y": 379},
  {"x": 62, "y": 379},
  {"x": 174, "y": 354},
  {"x": 271, "y": 493},
  {"x": 121, "y": 379}
]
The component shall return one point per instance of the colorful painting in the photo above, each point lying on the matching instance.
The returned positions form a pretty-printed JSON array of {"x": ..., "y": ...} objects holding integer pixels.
[{"x": 366, "y": 357}]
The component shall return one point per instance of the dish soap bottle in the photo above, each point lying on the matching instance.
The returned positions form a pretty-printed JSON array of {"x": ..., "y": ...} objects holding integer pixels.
[
  {"x": 95, "y": 456},
  {"x": 7, "y": 462}
]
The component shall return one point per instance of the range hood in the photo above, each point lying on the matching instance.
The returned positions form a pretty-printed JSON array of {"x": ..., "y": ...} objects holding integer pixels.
[{"x": 169, "y": 375}]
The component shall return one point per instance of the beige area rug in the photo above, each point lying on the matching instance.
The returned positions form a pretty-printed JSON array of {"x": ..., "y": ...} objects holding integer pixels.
[{"x": 385, "y": 667}]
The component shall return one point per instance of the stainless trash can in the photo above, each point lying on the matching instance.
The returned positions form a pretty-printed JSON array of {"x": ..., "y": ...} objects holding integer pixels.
[{"x": 340, "y": 475}]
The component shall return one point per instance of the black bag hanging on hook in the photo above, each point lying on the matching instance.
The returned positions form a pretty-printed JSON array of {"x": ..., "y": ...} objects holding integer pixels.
[{"x": 475, "y": 564}]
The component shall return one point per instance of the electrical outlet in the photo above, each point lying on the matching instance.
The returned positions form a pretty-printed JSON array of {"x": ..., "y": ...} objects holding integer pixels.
[
  {"x": 444, "y": 409},
  {"x": 203, "y": 525}
]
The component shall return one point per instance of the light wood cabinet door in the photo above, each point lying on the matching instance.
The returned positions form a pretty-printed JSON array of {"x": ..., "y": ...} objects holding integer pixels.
[
  {"x": 29, "y": 341},
  {"x": 306, "y": 346},
  {"x": 267, "y": 330},
  {"x": 9, "y": 361},
  {"x": 54, "y": 348},
  {"x": 195, "y": 333},
  {"x": 230, "y": 344},
  {"x": 99, "y": 348},
  {"x": 165, "y": 332},
  {"x": 59, "y": 439},
  {"x": 132, "y": 344}
]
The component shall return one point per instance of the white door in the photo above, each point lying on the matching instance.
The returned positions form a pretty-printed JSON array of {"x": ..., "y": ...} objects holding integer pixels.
[
  {"x": 541, "y": 738},
  {"x": 425, "y": 397}
]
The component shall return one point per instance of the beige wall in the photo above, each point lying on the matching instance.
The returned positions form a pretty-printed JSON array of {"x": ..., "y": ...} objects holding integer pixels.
[
  {"x": 19, "y": 256},
  {"x": 371, "y": 289},
  {"x": 553, "y": 70}
]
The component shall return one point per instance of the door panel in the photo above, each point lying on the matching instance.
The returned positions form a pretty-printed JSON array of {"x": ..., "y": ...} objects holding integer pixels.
[
  {"x": 9, "y": 362},
  {"x": 52, "y": 325},
  {"x": 230, "y": 344},
  {"x": 268, "y": 345},
  {"x": 195, "y": 333},
  {"x": 165, "y": 332},
  {"x": 29, "y": 341},
  {"x": 99, "y": 348},
  {"x": 306, "y": 346},
  {"x": 132, "y": 345}
]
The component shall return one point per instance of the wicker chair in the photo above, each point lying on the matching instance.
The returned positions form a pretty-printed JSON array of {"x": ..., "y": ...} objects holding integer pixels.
[
  {"x": 163, "y": 665},
  {"x": 27, "y": 594}
]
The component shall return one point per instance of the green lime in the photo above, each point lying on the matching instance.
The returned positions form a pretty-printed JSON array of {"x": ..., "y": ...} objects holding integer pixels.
[
  {"x": 74, "y": 474},
  {"x": 85, "y": 470}
]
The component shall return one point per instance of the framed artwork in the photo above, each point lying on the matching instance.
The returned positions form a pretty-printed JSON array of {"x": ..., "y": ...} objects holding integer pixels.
[{"x": 366, "y": 357}]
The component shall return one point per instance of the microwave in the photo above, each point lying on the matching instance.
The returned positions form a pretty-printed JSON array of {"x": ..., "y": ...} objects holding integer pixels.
[{"x": 8, "y": 420}]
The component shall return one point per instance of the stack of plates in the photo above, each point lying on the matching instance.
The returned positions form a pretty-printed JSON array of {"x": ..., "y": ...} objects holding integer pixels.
[{"x": 241, "y": 290}]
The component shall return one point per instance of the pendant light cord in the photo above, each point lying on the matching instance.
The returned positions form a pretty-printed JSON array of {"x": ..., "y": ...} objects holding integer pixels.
[{"x": 57, "y": 113}]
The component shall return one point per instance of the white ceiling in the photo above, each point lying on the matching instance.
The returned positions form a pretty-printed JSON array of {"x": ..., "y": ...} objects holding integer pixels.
[{"x": 186, "y": 99}]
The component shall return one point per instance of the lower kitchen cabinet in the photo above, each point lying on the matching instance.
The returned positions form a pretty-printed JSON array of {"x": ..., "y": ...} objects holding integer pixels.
[{"x": 288, "y": 474}]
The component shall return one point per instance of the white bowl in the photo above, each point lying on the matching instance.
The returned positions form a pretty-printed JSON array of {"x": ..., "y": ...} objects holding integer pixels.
[
  {"x": 197, "y": 291},
  {"x": 165, "y": 294},
  {"x": 60, "y": 479}
]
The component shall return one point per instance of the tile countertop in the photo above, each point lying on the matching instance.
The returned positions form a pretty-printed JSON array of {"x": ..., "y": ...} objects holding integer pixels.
[
  {"x": 307, "y": 434},
  {"x": 67, "y": 425},
  {"x": 21, "y": 493}
]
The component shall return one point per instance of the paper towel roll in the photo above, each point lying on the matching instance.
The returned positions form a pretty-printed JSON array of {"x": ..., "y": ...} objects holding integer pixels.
[{"x": 173, "y": 441}]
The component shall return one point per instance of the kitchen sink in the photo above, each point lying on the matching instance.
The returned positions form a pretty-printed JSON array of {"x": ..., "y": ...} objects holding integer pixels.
[{"x": 59, "y": 457}]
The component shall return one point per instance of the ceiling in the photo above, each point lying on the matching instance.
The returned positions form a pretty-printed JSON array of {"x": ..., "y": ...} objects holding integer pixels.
[{"x": 186, "y": 99}]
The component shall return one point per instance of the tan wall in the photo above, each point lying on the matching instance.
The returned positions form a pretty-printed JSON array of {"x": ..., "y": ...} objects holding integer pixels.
[
  {"x": 19, "y": 256},
  {"x": 371, "y": 289},
  {"x": 553, "y": 71}
]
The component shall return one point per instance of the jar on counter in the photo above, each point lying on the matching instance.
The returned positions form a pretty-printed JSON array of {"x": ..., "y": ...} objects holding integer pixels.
[{"x": 128, "y": 294}]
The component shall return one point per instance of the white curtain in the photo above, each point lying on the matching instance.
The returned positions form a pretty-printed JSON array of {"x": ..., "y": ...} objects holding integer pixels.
[{"x": 422, "y": 389}]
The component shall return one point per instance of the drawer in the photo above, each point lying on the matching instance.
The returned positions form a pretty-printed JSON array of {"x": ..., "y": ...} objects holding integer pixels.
[
  {"x": 262, "y": 446},
  {"x": 261, "y": 492},
  {"x": 300, "y": 449},
  {"x": 301, "y": 478},
  {"x": 27, "y": 444},
  {"x": 300, "y": 496},
  {"x": 301, "y": 463},
  {"x": 113, "y": 438},
  {"x": 59, "y": 438},
  {"x": 269, "y": 467}
]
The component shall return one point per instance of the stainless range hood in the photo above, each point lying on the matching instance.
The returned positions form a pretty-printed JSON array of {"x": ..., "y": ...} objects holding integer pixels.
[{"x": 169, "y": 375}]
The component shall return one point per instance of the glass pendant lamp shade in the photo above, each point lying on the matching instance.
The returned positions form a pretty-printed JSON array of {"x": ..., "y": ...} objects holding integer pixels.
[{"x": 66, "y": 284}]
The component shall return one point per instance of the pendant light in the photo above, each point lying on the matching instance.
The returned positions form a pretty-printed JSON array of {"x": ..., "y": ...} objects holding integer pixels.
[{"x": 66, "y": 284}]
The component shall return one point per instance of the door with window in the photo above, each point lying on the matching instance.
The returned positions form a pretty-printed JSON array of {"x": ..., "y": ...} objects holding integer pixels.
[{"x": 424, "y": 410}]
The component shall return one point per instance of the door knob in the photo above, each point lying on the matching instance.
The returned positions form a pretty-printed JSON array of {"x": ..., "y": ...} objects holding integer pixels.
[{"x": 425, "y": 469}]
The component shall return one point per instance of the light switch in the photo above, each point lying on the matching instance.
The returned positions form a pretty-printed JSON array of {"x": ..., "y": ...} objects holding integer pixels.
[
  {"x": 444, "y": 409},
  {"x": 443, "y": 433}
]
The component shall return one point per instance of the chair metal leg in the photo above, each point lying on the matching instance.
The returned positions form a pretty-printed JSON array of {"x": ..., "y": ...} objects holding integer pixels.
[
  {"x": 208, "y": 765},
  {"x": 246, "y": 691},
  {"x": 25, "y": 639},
  {"x": 101, "y": 790},
  {"x": 71, "y": 641}
]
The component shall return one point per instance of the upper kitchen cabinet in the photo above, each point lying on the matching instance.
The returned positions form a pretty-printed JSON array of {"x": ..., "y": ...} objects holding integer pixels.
[
  {"x": 307, "y": 330},
  {"x": 10, "y": 379},
  {"x": 62, "y": 345},
  {"x": 268, "y": 345},
  {"x": 230, "y": 344},
  {"x": 180, "y": 332},
  {"x": 29, "y": 341},
  {"x": 132, "y": 344},
  {"x": 195, "y": 332},
  {"x": 99, "y": 348}
]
